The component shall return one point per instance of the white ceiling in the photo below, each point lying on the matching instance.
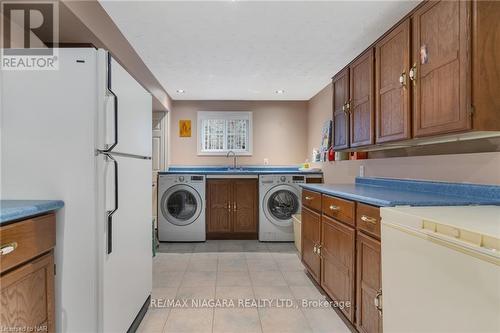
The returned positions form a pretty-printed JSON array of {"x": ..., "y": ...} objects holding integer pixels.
[{"x": 247, "y": 50}]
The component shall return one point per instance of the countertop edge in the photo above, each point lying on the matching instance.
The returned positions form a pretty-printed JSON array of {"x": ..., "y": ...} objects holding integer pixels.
[{"x": 30, "y": 210}]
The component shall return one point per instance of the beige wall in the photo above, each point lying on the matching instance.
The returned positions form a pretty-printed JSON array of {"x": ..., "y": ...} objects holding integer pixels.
[
  {"x": 279, "y": 132},
  {"x": 475, "y": 161}
]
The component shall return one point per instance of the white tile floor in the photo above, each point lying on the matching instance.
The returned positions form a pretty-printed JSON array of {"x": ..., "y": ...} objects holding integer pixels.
[{"x": 234, "y": 271}]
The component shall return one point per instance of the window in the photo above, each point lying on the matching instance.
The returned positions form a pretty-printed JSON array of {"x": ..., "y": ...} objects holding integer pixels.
[{"x": 220, "y": 132}]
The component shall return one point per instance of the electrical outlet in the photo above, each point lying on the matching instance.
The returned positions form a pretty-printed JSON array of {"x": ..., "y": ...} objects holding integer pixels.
[
  {"x": 361, "y": 170},
  {"x": 266, "y": 161}
]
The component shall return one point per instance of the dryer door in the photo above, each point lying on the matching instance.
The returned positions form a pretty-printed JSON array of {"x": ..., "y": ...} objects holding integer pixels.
[
  {"x": 181, "y": 205},
  {"x": 280, "y": 203}
]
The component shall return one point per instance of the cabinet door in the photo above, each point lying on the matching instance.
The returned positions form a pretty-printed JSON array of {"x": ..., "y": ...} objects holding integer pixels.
[
  {"x": 441, "y": 56},
  {"x": 27, "y": 297},
  {"x": 361, "y": 111},
  {"x": 311, "y": 222},
  {"x": 368, "y": 318},
  {"x": 337, "y": 263},
  {"x": 245, "y": 205},
  {"x": 392, "y": 86},
  {"x": 340, "y": 86},
  {"x": 219, "y": 205}
]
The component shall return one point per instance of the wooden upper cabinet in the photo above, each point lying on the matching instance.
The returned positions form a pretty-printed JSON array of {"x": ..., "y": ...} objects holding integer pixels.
[
  {"x": 340, "y": 86},
  {"x": 392, "y": 106},
  {"x": 310, "y": 239},
  {"x": 219, "y": 205},
  {"x": 245, "y": 205},
  {"x": 361, "y": 103},
  {"x": 441, "y": 59},
  {"x": 368, "y": 317}
]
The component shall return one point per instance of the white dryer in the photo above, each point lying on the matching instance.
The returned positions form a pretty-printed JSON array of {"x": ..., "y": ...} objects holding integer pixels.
[
  {"x": 181, "y": 208},
  {"x": 280, "y": 197}
]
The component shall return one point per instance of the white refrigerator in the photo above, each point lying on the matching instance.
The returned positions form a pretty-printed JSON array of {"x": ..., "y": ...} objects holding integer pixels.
[{"x": 82, "y": 134}]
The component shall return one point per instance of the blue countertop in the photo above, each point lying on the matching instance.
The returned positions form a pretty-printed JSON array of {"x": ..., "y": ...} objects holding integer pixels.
[
  {"x": 386, "y": 192},
  {"x": 13, "y": 210},
  {"x": 244, "y": 170}
]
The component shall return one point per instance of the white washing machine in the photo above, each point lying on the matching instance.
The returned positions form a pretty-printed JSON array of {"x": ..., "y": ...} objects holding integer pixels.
[
  {"x": 181, "y": 208},
  {"x": 280, "y": 197}
]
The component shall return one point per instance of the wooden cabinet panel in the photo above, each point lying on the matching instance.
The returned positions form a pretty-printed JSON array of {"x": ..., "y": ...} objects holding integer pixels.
[
  {"x": 337, "y": 263},
  {"x": 368, "y": 318},
  {"x": 27, "y": 296},
  {"x": 219, "y": 205},
  {"x": 361, "y": 111},
  {"x": 441, "y": 57},
  {"x": 310, "y": 231},
  {"x": 245, "y": 205},
  {"x": 311, "y": 200},
  {"x": 392, "y": 55},
  {"x": 32, "y": 238},
  {"x": 340, "y": 86},
  {"x": 340, "y": 209},
  {"x": 368, "y": 219}
]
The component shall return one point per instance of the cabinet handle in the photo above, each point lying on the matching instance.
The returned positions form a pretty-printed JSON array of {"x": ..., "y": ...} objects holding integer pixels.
[
  {"x": 234, "y": 207},
  {"x": 319, "y": 250},
  {"x": 309, "y": 198},
  {"x": 228, "y": 206},
  {"x": 334, "y": 208},
  {"x": 315, "y": 249},
  {"x": 413, "y": 74},
  {"x": 8, "y": 248},
  {"x": 402, "y": 79},
  {"x": 368, "y": 219},
  {"x": 378, "y": 302}
]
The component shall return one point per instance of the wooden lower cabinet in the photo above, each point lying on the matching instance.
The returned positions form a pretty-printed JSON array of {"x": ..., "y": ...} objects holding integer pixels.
[
  {"x": 27, "y": 276},
  {"x": 368, "y": 317},
  {"x": 310, "y": 230},
  {"x": 232, "y": 208},
  {"x": 344, "y": 256},
  {"x": 337, "y": 263}
]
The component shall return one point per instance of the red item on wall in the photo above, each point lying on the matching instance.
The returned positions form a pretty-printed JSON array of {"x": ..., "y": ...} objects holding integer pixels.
[
  {"x": 358, "y": 155},
  {"x": 331, "y": 155}
]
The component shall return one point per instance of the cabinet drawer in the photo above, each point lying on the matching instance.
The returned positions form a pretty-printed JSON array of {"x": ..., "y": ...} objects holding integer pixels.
[
  {"x": 29, "y": 238},
  {"x": 368, "y": 219},
  {"x": 311, "y": 200},
  {"x": 339, "y": 209}
]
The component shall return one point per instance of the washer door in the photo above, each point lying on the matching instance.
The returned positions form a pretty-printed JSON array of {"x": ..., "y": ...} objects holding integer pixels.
[
  {"x": 280, "y": 203},
  {"x": 181, "y": 205}
]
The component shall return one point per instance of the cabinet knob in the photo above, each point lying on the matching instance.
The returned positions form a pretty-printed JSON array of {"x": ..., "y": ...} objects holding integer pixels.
[
  {"x": 413, "y": 74},
  {"x": 8, "y": 248},
  {"x": 368, "y": 219},
  {"x": 402, "y": 79}
]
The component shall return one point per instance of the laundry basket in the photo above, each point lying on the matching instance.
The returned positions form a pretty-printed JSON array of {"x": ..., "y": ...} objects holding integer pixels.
[{"x": 296, "y": 230}]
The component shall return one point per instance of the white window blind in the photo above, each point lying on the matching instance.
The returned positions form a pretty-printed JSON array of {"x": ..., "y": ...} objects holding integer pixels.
[{"x": 220, "y": 132}]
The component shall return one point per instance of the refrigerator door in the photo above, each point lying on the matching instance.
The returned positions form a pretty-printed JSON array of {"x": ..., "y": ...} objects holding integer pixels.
[
  {"x": 130, "y": 126},
  {"x": 127, "y": 269}
]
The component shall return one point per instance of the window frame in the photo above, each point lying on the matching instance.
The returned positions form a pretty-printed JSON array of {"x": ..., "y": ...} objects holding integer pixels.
[{"x": 224, "y": 115}]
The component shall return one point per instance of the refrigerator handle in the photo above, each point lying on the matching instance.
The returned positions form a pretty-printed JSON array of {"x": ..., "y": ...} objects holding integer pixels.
[
  {"x": 115, "y": 208},
  {"x": 110, "y": 147}
]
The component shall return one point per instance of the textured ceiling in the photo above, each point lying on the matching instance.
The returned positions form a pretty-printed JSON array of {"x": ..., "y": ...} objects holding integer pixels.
[{"x": 247, "y": 50}]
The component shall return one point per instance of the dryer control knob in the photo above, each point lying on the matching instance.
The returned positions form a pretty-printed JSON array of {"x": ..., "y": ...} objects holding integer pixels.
[
  {"x": 282, "y": 178},
  {"x": 181, "y": 178}
]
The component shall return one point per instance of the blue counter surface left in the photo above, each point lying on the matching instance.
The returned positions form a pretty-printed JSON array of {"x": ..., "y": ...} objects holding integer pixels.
[{"x": 14, "y": 210}]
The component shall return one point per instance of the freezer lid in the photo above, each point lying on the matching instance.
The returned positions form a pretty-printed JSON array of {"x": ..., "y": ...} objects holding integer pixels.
[{"x": 475, "y": 228}]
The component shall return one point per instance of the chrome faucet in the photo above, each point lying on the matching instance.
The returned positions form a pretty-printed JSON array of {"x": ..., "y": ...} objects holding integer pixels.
[{"x": 234, "y": 158}]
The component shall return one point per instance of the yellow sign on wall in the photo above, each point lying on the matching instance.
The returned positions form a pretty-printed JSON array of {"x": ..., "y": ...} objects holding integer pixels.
[{"x": 185, "y": 128}]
